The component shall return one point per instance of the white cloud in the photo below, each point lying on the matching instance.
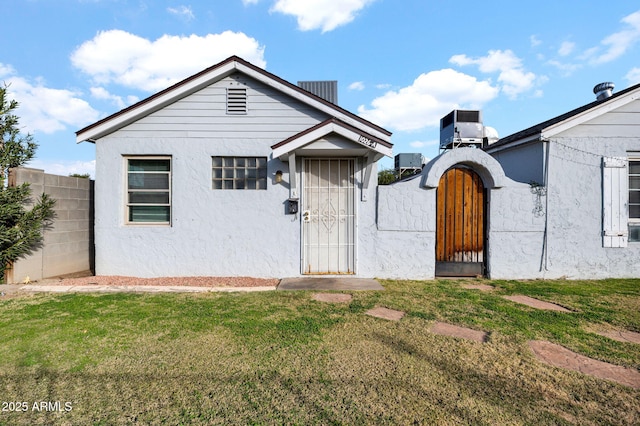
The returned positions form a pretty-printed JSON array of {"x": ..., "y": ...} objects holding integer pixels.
[
  {"x": 182, "y": 11},
  {"x": 535, "y": 41},
  {"x": 427, "y": 100},
  {"x": 356, "y": 85},
  {"x": 126, "y": 59},
  {"x": 383, "y": 86},
  {"x": 46, "y": 110},
  {"x": 321, "y": 14},
  {"x": 618, "y": 43},
  {"x": 512, "y": 76},
  {"x": 103, "y": 94},
  {"x": 6, "y": 70},
  {"x": 633, "y": 76},
  {"x": 566, "y": 48},
  {"x": 64, "y": 167},
  {"x": 565, "y": 68},
  {"x": 248, "y": 2}
]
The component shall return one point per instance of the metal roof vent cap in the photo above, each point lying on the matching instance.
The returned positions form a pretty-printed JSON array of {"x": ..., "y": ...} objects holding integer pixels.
[{"x": 603, "y": 90}]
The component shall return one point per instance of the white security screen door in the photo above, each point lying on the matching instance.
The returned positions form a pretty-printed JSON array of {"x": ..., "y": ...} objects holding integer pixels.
[{"x": 328, "y": 216}]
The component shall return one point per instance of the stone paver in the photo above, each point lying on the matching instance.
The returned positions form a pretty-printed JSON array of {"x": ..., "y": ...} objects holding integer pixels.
[
  {"x": 444, "y": 329},
  {"x": 562, "y": 357},
  {"x": 622, "y": 335},
  {"x": 536, "y": 303},
  {"x": 332, "y": 297},
  {"x": 385, "y": 313}
]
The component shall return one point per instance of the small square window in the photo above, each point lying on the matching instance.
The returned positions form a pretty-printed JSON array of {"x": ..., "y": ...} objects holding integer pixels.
[{"x": 239, "y": 172}]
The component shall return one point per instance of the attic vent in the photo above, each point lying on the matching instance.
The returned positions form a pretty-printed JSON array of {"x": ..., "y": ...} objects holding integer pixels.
[{"x": 236, "y": 100}]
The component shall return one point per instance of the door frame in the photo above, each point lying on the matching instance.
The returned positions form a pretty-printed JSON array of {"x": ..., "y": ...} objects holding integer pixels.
[
  {"x": 462, "y": 268},
  {"x": 303, "y": 186}
]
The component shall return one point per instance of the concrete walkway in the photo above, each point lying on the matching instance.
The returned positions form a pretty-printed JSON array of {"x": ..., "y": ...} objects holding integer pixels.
[
  {"x": 315, "y": 283},
  {"x": 299, "y": 283}
]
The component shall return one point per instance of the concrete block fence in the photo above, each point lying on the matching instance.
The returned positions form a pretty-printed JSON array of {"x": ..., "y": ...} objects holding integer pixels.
[{"x": 68, "y": 244}]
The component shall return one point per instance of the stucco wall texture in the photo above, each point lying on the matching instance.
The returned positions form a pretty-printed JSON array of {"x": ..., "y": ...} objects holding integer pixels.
[{"x": 235, "y": 233}]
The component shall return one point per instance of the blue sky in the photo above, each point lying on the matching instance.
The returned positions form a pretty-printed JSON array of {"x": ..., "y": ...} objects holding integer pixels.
[{"x": 401, "y": 64}]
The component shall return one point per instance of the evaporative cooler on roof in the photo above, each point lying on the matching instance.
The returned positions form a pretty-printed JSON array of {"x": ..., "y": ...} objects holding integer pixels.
[{"x": 461, "y": 128}]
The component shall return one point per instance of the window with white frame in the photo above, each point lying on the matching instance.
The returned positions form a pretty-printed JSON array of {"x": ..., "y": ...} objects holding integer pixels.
[
  {"x": 634, "y": 199},
  {"x": 239, "y": 172},
  {"x": 148, "y": 190}
]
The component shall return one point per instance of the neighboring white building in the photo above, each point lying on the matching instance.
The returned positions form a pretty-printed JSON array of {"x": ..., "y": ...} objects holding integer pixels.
[
  {"x": 588, "y": 160},
  {"x": 236, "y": 172}
]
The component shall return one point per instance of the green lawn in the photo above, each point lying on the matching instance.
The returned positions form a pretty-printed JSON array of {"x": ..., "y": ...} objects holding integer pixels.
[{"x": 283, "y": 358}]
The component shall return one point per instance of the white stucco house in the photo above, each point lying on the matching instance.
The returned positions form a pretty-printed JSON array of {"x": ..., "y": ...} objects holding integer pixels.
[{"x": 236, "y": 172}]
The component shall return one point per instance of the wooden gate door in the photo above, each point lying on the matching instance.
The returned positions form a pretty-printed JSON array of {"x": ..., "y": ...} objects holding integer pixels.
[
  {"x": 460, "y": 236},
  {"x": 328, "y": 219}
]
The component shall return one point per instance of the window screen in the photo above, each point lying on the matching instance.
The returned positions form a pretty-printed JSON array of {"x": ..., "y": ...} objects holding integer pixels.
[
  {"x": 634, "y": 200},
  {"x": 148, "y": 190}
]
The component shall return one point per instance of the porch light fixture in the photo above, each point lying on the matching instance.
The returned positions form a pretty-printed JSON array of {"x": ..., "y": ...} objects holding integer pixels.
[{"x": 279, "y": 176}]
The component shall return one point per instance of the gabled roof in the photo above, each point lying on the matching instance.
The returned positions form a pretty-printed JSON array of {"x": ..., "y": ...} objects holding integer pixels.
[
  {"x": 365, "y": 140},
  {"x": 570, "y": 119},
  {"x": 211, "y": 75}
]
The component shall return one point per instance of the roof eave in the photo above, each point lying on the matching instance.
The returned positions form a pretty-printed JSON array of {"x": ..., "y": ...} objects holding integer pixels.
[
  {"x": 589, "y": 114},
  {"x": 155, "y": 102},
  {"x": 513, "y": 144},
  {"x": 367, "y": 140},
  {"x": 557, "y": 125}
]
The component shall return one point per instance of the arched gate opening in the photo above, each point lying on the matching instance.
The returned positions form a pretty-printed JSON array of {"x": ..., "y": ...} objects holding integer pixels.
[{"x": 460, "y": 223}]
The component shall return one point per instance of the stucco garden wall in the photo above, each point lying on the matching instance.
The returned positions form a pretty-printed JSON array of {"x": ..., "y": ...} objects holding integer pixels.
[
  {"x": 405, "y": 233},
  {"x": 406, "y": 221}
]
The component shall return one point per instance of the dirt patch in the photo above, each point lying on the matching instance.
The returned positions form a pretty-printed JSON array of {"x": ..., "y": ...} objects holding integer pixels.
[
  {"x": 481, "y": 287},
  {"x": 113, "y": 280},
  {"x": 8, "y": 291},
  {"x": 332, "y": 297},
  {"x": 562, "y": 357},
  {"x": 444, "y": 329},
  {"x": 621, "y": 335},
  {"x": 536, "y": 303},
  {"x": 385, "y": 313}
]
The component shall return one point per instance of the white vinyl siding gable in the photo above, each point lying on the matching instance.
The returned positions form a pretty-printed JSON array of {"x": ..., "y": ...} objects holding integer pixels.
[
  {"x": 271, "y": 116},
  {"x": 615, "y": 193}
]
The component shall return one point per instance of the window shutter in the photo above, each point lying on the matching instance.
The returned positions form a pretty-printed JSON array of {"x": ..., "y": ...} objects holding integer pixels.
[{"x": 615, "y": 200}]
